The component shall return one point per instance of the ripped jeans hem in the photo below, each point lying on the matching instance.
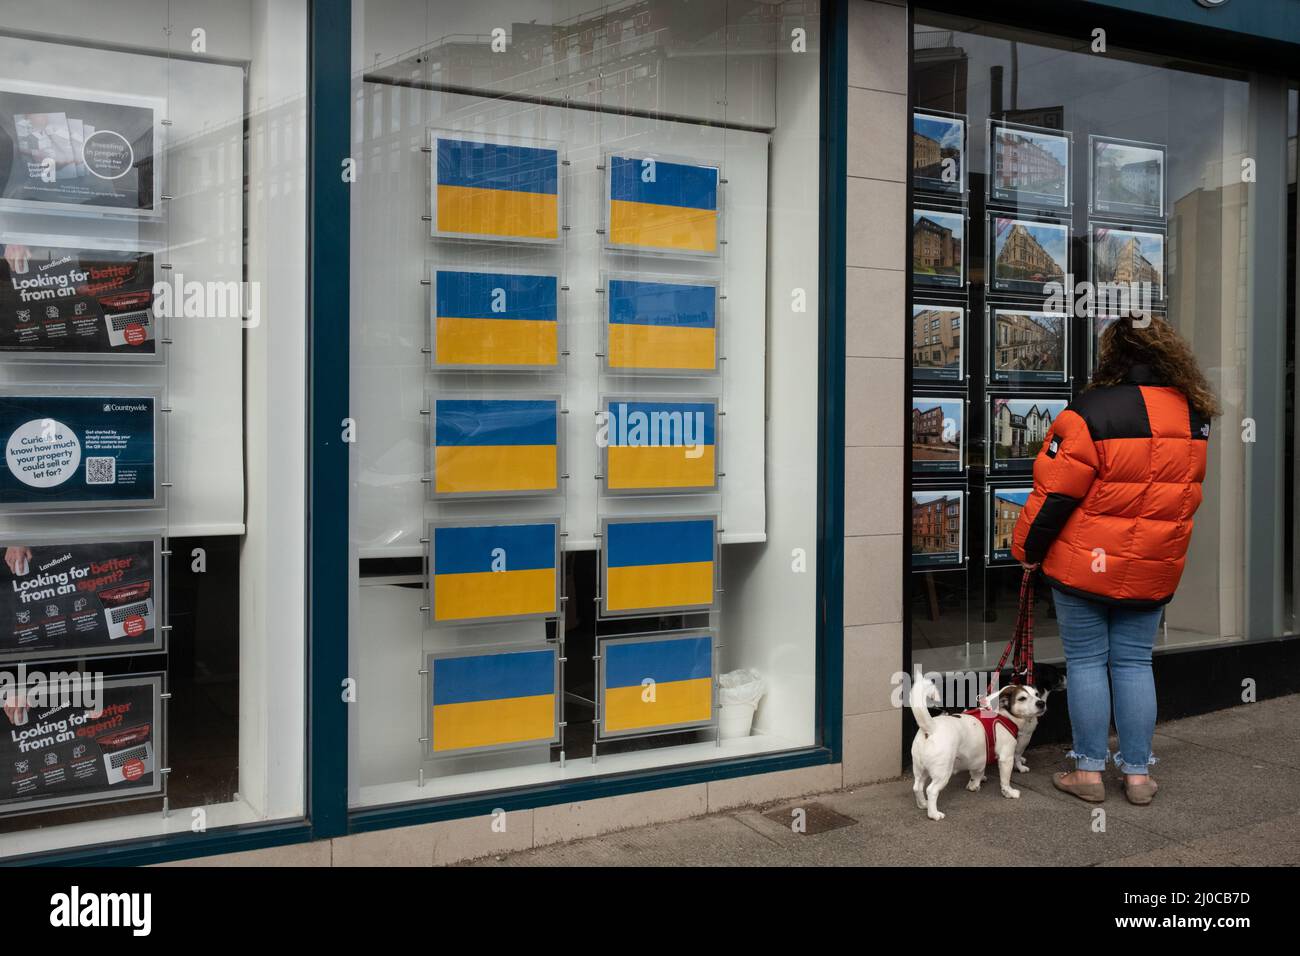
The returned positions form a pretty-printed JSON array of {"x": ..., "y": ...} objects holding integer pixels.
[
  {"x": 1084, "y": 762},
  {"x": 1136, "y": 769}
]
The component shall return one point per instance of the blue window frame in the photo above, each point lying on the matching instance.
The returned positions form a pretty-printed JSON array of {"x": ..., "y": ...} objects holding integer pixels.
[
  {"x": 329, "y": 111},
  {"x": 326, "y": 672},
  {"x": 829, "y": 586}
]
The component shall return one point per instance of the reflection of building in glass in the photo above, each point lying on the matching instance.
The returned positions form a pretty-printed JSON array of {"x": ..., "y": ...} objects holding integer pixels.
[
  {"x": 1209, "y": 270},
  {"x": 1020, "y": 436},
  {"x": 1005, "y": 514},
  {"x": 936, "y": 525},
  {"x": 1119, "y": 258},
  {"x": 940, "y": 68},
  {"x": 1023, "y": 164},
  {"x": 936, "y": 338},
  {"x": 1026, "y": 341},
  {"x": 934, "y": 246},
  {"x": 1141, "y": 179},
  {"x": 642, "y": 54},
  {"x": 1022, "y": 257}
]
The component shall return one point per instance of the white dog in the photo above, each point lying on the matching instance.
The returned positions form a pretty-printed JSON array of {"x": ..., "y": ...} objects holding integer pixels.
[{"x": 951, "y": 742}]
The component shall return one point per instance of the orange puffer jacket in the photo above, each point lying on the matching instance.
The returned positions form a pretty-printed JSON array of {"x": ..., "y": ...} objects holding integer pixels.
[{"x": 1115, "y": 487}]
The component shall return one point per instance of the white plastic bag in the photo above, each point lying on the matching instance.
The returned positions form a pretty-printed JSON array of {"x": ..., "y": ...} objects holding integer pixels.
[{"x": 745, "y": 686}]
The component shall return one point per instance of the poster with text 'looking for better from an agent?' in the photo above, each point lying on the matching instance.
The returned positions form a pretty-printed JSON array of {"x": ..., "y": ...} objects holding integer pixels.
[
  {"x": 65, "y": 451},
  {"x": 74, "y": 302},
  {"x": 78, "y": 742},
  {"x": 60, "y": 600}
]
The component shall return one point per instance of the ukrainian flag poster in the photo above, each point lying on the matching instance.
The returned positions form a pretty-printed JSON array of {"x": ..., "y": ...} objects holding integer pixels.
[
  {"x": 666, "y": 325},
  {"x": 661, "y": 206},
  {"x": 651, "y": 683},
  {"x": 484, "y": 447},
  {"x": 494, "y": 320},
  {"x": 658, "y": 565},
  {"x": 659, "y": 446},
  {"x": 497, "y": 188},
  {"x": 495, "y": 697},
  {"x": 482, "y": 570}
]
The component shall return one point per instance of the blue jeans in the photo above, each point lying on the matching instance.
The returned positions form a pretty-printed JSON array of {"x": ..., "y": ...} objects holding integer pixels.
[{"x": 1108, "y": 662}]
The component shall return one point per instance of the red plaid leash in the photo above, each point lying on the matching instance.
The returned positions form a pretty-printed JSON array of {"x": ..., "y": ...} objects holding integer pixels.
[
  {"x": 1022, "y": 638},
  {"x": 1025, "y": 665}
]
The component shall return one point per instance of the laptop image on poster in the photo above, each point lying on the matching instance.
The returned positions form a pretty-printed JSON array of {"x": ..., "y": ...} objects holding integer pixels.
[
  {"x": 128, "y": 754},
  {"x": 128, "y": 317},
  {"x": 128, "y": 609}
]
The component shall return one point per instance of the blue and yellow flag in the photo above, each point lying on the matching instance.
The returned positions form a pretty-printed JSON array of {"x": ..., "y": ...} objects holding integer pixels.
[
  {"x": 656, "y": 205},
  {"x": 662, "y": 326},
  {"x": 658, "y": 564},
  {"x": 653, "y": 684},
  {"x": 487, "y": 446},
  {"x": 495, "y": 318},
  {"x": 493, "y": 571},
  {"x": 496, "y": 191},
  {"x": 492, "y": 700},
  {"x": 661, "y": 446}
]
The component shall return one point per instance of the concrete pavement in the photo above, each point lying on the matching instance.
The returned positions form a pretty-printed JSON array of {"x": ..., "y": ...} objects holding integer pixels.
[{"x": 1230, "y": 795}]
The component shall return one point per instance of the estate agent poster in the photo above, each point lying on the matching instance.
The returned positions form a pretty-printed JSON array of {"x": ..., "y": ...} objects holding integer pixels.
[
  {"x": 72, "y": 600},
  {"x": 938, "y": 528},
  {"x": 63, "y": 450},
  {"x": 76, "y": 152},
  {"x": 69, "y": 301},
  {"x": 78, "y": 743}
]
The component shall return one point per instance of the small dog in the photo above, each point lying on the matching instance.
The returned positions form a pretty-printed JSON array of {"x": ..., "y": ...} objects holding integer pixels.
[
  {"x": 1047, "y": 680},
  {"x": 952, "y": 742}
]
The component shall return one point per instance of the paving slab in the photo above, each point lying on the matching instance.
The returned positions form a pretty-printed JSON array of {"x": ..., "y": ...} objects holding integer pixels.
[
  {"x": 1268, "y": 731},
  {"x": 1273, "y": 842},
  {"x": 1230, "y": 785},
  {"x": 700, "y": 841}
]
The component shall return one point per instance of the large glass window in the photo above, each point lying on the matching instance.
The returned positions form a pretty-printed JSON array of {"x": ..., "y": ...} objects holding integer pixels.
[
  {"x": 152, "y": 414},
  {"x": 585, "y": 384},
  {"x": 1039, "y": 160}
]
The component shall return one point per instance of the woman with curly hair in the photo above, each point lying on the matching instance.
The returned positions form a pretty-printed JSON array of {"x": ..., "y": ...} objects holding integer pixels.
[{"x": 1115, "y": 487}]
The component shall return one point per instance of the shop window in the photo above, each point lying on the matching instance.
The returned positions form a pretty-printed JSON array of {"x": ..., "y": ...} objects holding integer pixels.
[
  {"x": 584, "y": 371},
  {"x": 1036, "y": 161},
  {"x": 152, "y": 411}
]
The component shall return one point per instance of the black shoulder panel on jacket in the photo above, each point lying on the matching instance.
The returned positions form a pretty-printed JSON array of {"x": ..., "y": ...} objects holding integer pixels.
[{"x": 1115, "y": 411}]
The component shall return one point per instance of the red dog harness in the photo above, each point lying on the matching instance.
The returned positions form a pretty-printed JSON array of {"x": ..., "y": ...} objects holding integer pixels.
[{"x": 990, "y": 720}]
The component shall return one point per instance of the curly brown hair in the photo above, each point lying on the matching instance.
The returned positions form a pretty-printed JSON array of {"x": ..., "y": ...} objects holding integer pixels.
[{"x": 1158, "y": 346}]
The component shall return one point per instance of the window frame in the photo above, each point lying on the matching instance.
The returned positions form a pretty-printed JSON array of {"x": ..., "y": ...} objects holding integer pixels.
[
  {"x": 329, "y": 112},
  {"x": 1260, "y": 39}
]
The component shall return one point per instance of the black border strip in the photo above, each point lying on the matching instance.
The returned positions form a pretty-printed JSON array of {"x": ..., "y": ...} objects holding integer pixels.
[{"x": 479, "y": 93}]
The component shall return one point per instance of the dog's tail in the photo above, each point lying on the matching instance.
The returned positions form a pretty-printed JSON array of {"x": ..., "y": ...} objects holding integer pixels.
[{"x": 922, "y": 692}]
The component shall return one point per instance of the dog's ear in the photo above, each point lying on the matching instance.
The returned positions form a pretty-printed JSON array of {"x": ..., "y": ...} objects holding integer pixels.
[
  {"x": 1050, "y": 678},
  {"x": 1006, "y": 695}
]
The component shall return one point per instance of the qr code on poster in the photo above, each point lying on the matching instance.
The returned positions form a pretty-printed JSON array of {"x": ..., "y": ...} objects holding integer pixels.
[{"x": 101, "y": 471}]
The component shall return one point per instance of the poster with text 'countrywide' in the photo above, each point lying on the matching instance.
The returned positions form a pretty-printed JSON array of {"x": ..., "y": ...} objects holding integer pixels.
[{"x": 70, "y": 451}]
